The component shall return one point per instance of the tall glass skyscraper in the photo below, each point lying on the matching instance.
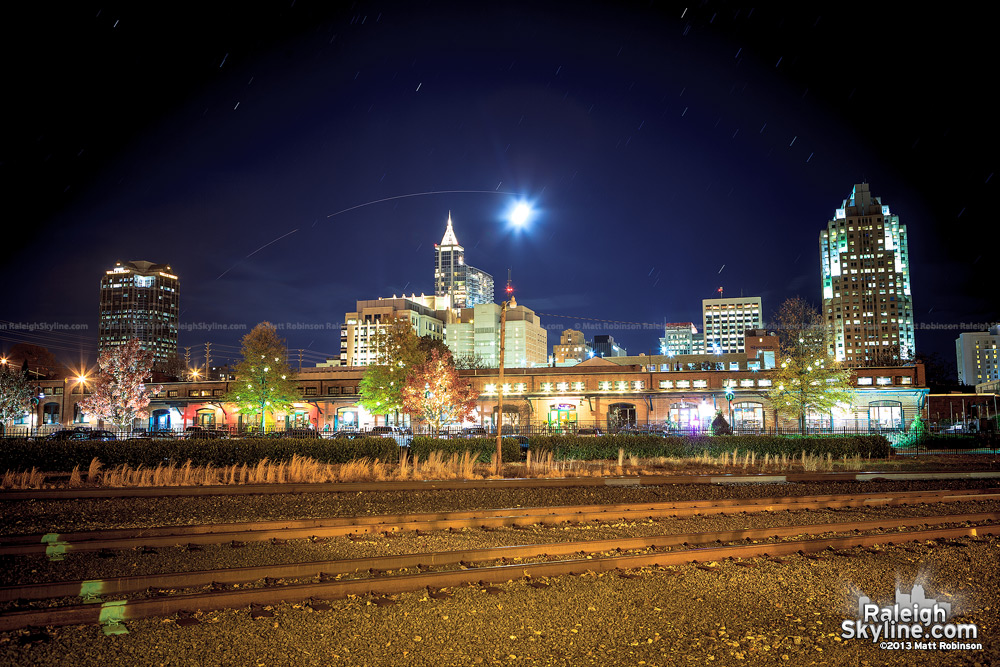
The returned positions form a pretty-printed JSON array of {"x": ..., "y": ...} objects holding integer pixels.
[
  {"x": 466, "y": 285},
  {"x": 865, "y": 270},
  {"x": 140, "y": 300}
]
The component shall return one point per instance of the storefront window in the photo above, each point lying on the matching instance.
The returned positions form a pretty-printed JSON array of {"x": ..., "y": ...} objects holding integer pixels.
[
  {"x": 748, "y": 415},
  {"x": 885, "y": 415}
]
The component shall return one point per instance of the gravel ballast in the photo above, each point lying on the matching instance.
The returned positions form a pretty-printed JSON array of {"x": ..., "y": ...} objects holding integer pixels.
[
  {"x": 59, "y": 516},
  {"x": 786, "y": 614},
  {"x": 717, "y": 613}
]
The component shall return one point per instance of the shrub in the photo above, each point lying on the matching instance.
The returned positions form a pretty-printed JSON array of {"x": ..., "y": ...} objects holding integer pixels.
[
  {"x": 481, "y": 448},
  {"x": 62, "y": 456},
  {"x": 648, "y": 446},
  {"x": 720, "y": 426}
]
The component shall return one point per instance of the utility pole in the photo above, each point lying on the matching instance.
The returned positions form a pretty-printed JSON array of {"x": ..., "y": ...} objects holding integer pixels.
[
  {"x": 208, "y": 358},
  {"x": 300, "y": 359},
  {"x": 510, "y": 303}
]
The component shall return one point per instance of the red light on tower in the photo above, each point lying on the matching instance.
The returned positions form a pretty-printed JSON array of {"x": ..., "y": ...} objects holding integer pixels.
[{"x": 720, "y": 292}]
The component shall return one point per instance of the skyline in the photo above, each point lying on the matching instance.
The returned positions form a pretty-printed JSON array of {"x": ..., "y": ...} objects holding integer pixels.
[{"x": 666, "y": 155}]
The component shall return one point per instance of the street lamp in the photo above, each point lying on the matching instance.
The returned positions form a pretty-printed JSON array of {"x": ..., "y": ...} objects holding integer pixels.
[
  {"x": 511, "y": 303},
  {"x": 729, "y": 399}
]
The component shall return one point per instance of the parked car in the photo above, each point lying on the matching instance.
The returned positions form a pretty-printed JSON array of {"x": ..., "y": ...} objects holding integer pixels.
[
  {"x": 69, "y": 434},
  {"x": 348, "y": 435},
  {"x": 297, "y": 433},
  {"x": 590, "y": 431},
  {"x": 402, "y": 438},
  {"x": 201, "y": 433},
  {"x": 80, "y": 433},
  {"x": 474, "y": 432}
]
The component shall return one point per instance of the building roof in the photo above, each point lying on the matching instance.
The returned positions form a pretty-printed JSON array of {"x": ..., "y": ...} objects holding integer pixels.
[{"x": 449, "y": 237}]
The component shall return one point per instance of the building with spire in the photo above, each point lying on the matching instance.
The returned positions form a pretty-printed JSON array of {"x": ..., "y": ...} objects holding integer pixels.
[
  {"x": 865, "y": 269},
  {"x": 140, "y": 300},
  {"x": 467, "y": 286}
]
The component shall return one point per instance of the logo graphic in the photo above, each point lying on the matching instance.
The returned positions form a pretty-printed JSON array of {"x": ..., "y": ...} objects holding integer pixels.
[{"x": 914, "y": 621}]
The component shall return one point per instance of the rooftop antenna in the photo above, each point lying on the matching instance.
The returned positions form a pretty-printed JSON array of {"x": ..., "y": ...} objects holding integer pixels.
[
  {"x": 720, "y": 292},
  {"x": 510, "y": 288}
]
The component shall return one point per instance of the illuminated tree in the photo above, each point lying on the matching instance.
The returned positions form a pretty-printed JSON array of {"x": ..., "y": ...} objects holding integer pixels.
[
  {"x": 15, "y": 395},
  {"x": 120, "y": 394},
  {"x": 397, "y": 352},
  {"x": 436, "y": 393},
  {"x": 264, "y": 381},
  {"x": 807, "y": 378},
  {"x": 472, "y": 361}
]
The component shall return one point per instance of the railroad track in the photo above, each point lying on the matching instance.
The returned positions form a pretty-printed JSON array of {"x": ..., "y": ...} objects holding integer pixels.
[
  {"x": 113, "y": 613},
  {"x": 57, "y": 545},
  {"x": 354, "y": 487}
]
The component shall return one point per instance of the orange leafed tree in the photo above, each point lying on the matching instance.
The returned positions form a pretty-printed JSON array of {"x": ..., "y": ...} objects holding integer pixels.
[
  {"x": 120, "y": 393},
  {"x": 435, "y": 393}
]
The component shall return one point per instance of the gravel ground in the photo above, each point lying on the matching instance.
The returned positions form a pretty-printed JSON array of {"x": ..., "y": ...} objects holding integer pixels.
[
  {"x": 785, "y": 614},
  {"x": 89, "y": 565},
  {"x": 678, "y": 615},
  {"x": 44, "y": 516}
]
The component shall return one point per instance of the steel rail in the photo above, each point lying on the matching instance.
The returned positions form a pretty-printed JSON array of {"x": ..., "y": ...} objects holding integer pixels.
[
  {"x": 198, "y": 578},
  {"x": 117, "y": 611},
  {"x": 185, "y": 529},
  {"x": 510, "y": 483},
  {"x": 60, "y": 544}
]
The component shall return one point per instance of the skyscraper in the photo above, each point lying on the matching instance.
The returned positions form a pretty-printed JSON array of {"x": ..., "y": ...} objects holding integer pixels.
[
  {"x": 476, "y": 337},
  {"x": 466, "y": 285},
  {"x": 976, "y": 354},
  {"x": 725, "y": 322},
  {"x": 865, "y": 270},
  {"x": 140, "y": 300},
  {"x": 358, "y": 334}
]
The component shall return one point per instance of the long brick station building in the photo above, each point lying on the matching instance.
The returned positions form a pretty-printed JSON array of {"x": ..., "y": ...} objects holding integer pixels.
[{"x": 684, "y": 390}]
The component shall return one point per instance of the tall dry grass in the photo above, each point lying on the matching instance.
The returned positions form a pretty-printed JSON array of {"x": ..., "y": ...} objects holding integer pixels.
[
  {"x": 28, "y": 479},
  {"x": 437, "y": 465}
]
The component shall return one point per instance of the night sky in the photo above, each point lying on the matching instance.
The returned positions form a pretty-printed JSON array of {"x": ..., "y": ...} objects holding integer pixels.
[{"x": 669, "y": 149}]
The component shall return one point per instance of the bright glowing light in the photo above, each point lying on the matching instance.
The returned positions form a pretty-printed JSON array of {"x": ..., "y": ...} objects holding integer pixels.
[{"x": 521, "y": 214}]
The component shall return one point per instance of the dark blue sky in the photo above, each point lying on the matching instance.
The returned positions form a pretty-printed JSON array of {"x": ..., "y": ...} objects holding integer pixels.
[{"x": 658, "y": 141}]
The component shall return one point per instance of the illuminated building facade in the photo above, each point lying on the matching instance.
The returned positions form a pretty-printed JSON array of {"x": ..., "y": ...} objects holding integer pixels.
[
  {"x": 725, "y": 322},
  {"x": 476, "y": 336},
  {"x": 466, "y": 285},
  {"x": 572, "y": 348},
  {"x": 681, "y": 338},
  {"x": 976, "y": 354},
  {"x": 140, "y": 300},
  {"x": 867, "y": 305},
  {"x": 427, "y": 315}
]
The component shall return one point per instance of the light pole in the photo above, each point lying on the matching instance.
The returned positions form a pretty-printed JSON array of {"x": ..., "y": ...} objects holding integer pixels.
[
  {"x": 511, "y": 303},
  {"x": 729, "y": 399}
]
